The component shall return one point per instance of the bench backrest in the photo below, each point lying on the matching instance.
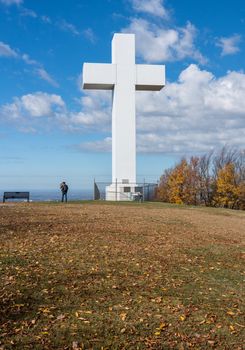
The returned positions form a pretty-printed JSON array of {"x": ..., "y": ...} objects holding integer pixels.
[{"x": 16, "y": 195}]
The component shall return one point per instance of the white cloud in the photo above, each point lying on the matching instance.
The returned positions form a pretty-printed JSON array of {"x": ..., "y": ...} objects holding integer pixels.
[
  {"x": 68, "y": 27},
  {"x": 28, "y": 60},
  {"x": 89, "y": 34},
  {"x": 157, "y": 44},
  {"x": 41, "y": 72},
  {"x": 46, "y": 19},
  {"x": 28, "y": 13},
  {"x": 96, "y": 146},
  {"x": 229, "y": 45},
  {"x": 24, "y": 110},
  {"x": 40, "y": 104},
  {"x": 87, "y": 119},
  {"x": 153, "y": 7},
  {"x": 95, "y": 114},
  {"x": 196, "y": 113},
  {"x": 11, "y": 2},
  {"x": 6, "y": 51}
]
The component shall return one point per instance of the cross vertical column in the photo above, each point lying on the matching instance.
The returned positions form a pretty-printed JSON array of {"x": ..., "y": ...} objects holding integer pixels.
[{"x": 123, "y": 110}]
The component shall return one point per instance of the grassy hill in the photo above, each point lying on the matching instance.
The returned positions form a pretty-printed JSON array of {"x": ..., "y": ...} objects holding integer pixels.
[{"x": 121, "y": 276}]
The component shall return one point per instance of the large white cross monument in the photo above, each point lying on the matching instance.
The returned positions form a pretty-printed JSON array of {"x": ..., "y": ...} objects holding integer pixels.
[{"x": 123, "y": 77}]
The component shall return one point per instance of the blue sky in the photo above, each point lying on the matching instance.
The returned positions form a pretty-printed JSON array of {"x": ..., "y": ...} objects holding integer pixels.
[{"x": 51, "y": 130}]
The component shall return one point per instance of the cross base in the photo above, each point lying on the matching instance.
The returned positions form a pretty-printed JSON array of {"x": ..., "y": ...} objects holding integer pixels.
[{"x": 123, "y": 192}]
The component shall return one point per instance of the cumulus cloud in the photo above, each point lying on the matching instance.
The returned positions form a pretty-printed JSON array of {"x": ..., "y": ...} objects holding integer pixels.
[
  {"x": 158, "y": 41},
  {"x": 153, "y": 7},
  {"x": 156, "y": 44},
  {"x": 27, "y": 112},
  {"x": 195, "y": 114},
  {"x": 40, "y": 104},
  {"x": 95, "y": 114},
  {"x": 229, "y": 45},
  {"x": 23, "y": 111},
  {"x": 6, "y": 51}
]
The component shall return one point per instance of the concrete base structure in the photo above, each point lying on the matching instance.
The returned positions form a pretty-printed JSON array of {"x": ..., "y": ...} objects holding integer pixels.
[{"x": 122, "y": 192}]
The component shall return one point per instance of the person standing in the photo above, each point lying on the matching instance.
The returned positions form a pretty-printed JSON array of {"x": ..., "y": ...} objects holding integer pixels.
[{"x": 64, "y": 190}]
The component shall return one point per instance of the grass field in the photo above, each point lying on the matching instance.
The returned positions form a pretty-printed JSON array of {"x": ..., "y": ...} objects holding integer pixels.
[{"x": 121, "y": 276}]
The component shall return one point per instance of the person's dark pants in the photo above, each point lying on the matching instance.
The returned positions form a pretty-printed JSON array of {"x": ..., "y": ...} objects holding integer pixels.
[{"x": 64, "y": 197}]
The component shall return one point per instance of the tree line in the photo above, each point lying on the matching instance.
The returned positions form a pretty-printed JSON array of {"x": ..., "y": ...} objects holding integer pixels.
[{"x": 214, "y": 179}]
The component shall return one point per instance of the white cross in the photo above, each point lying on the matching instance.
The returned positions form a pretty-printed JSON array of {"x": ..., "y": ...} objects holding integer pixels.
[{"x": 123, "y": 76}]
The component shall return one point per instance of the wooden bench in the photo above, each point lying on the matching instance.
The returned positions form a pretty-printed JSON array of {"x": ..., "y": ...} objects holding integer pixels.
[{"x": 16, "y": 195}]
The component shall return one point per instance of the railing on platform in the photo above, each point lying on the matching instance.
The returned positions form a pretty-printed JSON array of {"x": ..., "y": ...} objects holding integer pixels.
[{"x": 119, "y": 191}]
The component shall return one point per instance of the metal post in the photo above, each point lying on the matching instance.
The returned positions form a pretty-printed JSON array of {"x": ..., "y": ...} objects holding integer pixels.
[
  {"x": 116, "y": 189},
  {"x": 143, "y": 197}
]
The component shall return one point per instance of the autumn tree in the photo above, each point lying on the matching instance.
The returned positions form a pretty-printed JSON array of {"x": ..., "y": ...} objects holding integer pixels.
[
  {"x": 162, "y": 192},
  {"x": 176, "y": 183},
  {"x": 191, "y": 190},
  {"x": 227, "y": 155},
  {"x": 227, "y": 193},
  {"x": 241, "y": 191},
  {"x": 216, "y": 178},
  {"x": 207, "y": 183},
  {"x": 183, "y": 182},
  {"x": 241, "y": 179}
]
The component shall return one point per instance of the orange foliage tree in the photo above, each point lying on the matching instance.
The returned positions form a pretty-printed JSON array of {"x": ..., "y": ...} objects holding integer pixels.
[
  {"x": 213, "y": 179},
  {"x": 227, "y": 193},
  {"x": 181, "y": 184},
  {"x": 242, "y": 195},
  {"x": 175, "y": 183}
]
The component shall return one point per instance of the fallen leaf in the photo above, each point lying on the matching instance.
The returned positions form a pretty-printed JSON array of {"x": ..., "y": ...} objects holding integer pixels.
[
  {"x": 60, "y": 317},
  {"x": 74, "y": 345},
  {"x": 182, "y": 318},
  {"x": 163, "y": 325},
  {"x": 123, "y": 316}
]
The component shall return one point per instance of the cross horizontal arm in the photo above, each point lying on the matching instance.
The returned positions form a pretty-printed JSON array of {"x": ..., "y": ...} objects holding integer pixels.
[
  {"x": 150, "y": 77},
  {"x": 99, "y": 76}
]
